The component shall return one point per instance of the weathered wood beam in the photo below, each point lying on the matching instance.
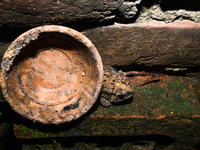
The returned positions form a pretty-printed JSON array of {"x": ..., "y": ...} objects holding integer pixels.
[
  {"x": 35, "y": 13},
  {"x": 168, "y": 108},
  {"x": 173, "y": 44},
  {"x": 154, "y": 44}
]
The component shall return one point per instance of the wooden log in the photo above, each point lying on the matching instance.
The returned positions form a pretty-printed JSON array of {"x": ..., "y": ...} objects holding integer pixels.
[
  {"x": 154, "y": 44},
  {"x": 35, "y": 13},
  {"x": 51, "y": 74},
  {"x": 166, "y": 112}
]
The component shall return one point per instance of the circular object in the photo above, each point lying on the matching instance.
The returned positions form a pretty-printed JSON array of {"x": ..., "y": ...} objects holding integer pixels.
[{"x": 51, "y": 74}]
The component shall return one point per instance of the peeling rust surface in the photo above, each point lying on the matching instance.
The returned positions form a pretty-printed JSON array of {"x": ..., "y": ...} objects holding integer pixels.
[{"x": 48, "y": 69}]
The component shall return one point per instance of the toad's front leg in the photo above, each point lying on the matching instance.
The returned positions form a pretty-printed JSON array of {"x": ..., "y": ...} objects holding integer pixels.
[
  {"x": 105, "y": 96},
  {"x": 105, "y": 102}
]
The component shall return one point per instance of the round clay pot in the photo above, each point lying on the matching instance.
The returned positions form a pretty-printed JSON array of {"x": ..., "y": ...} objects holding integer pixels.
[{"x": 51, "y": 74}]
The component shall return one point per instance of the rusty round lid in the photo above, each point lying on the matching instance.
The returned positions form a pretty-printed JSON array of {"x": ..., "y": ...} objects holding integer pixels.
[{"x": 51, "y": 74}]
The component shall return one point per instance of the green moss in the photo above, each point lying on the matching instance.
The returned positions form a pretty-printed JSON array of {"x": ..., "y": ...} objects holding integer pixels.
[
  {"x": 130, "y": 126},
  {"x": 33, "y": 132},
  {"x": 94, "y": 124},
  {"x": 39, "y": 133},
  {"x": 54, "y": 141}
]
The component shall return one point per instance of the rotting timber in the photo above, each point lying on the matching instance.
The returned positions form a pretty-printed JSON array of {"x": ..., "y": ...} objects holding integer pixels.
[{"x": 168, "y": 108}]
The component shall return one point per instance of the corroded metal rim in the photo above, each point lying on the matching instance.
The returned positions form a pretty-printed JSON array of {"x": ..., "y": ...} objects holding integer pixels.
[{"x": 51, "y": 74}]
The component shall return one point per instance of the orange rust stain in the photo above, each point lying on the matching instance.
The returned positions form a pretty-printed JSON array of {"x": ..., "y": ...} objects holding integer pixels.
[
  {"x": 160, "y": 117},
  {"x": 151, "y": 132},
  {"x": 195, "y": 116},
  {"x": 146, "y": 133},
  {"x": 185, "y": 95},
  {"x": 128, "y": 117},
  {"x": 124, "y": 117},
  {"x": 190, "y": 86},
  {"x": 97, "y": 116}
]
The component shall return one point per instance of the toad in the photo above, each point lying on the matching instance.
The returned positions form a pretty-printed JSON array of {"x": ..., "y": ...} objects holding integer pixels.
[{"x": 116, "y": 86}]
